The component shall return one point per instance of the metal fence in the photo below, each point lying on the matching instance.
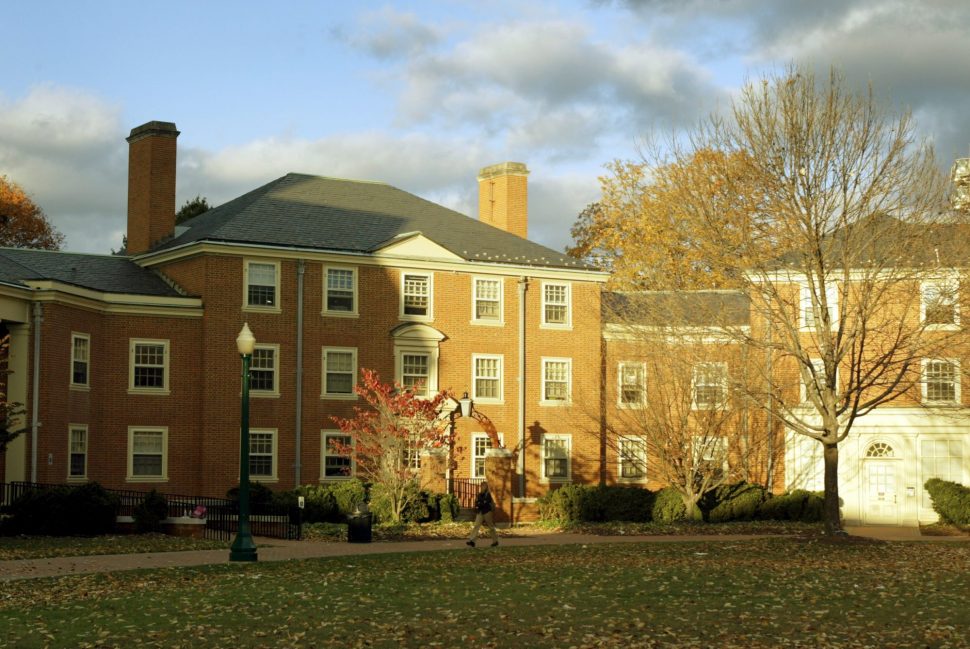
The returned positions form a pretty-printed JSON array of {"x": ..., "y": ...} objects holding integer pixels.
[
  {"x": 221, "y": 515},
  {"x": 465, "y": 490}
]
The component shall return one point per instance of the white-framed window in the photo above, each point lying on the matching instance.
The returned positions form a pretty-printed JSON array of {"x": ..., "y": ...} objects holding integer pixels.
[
  {"x": 487, "y": 378},
  {"x": 940, "y": 303},
  {"x": 340, "y": 291},
  {"x": 262, "y": 285},
  {"x": 556, "y": 380},
  {"x": 411, "y": 458},
  {"x": 940, "y": 458},
  {"x": 809, "y": 317},
  {"x": 148, "y": 366},
  {"x": 556, "y": 305},
  {"x": 487, "y": 300},
  {"x": 632, "y": 384},
  {"x": 416, "y": 296},
  {"x": 557, "y": 458},
  {"x": 941, "y": 381},
  {"x": 416, "y": 372},
  {"x": 80, "y": 360},
  {"x": 264, "y": 371},
  {"x": 811, "y": 385},
  {"x": 709, "y": 386},
  {"x": 804, "y": 464},
  {"x": 481, "y": 442},
  {"x": 147, "y": 454},
  {"x": 632, "y": 459},
  {"x": 77, "y": 452},
  {"x": 339, "y": 372},
  {"x": 711, "y": 450},
  {"x": 262, "y": 454},
  {"x": 335, "y": 462}
]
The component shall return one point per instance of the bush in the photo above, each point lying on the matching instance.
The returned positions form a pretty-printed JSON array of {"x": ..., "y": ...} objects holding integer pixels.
[
  {"x": 951, "y": 501},
  {"x": 150, "y": 512},
  {"x": 348, "y": 495},
  {"x": 87, "y": 510},
  {"x": 737, "y": 502},
  {"x": 580, "y": 503},
  {"x": 448, "y": 507},
  {"x": 797, "y": 505},
  {"x": 668, "y": 506},
  {"x": 259, "y": 495}
]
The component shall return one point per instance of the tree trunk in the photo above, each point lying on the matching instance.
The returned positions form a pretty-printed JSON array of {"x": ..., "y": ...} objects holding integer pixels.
[{"x": 831, "y": 514}]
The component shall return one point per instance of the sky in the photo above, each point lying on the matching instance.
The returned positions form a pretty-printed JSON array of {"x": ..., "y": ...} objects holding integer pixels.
[{"x": 423, "y": 94}]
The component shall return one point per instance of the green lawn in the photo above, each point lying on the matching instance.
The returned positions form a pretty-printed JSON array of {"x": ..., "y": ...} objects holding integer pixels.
[
  {"x": 42, "y": 547},
  {"x": 765, "y": 593}
]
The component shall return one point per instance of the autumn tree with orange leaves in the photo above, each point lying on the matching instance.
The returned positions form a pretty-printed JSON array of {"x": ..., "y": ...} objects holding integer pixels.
[{"x": 22, "y": 223}]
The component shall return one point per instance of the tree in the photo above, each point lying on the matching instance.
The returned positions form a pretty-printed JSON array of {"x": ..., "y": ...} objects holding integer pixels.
[
  {"x": 639, "y": 231},
  {"x": 847, "y": 309},
  {"x": 10, "y": 412},
  {"x": 22, "y": 223},
  {"x": 191, "y": 209},
  {"x": 387, "y": 438}
]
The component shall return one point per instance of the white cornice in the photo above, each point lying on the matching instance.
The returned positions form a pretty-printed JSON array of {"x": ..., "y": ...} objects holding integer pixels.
[{"x": 116, "y": 303}]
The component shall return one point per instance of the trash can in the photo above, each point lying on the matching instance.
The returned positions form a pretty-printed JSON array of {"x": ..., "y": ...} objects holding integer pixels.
[{"x": 359, "y": 527}]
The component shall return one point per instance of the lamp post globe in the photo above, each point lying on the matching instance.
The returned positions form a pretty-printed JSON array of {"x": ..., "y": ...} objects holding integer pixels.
[{"x": 243, "y": 547}]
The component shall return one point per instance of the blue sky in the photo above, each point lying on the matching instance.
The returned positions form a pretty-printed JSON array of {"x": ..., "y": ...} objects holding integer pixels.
[{"x": 424, "y": 94}]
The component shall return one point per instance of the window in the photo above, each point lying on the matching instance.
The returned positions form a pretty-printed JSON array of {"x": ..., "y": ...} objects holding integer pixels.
[
  {"x": 80, "y": 359},
  {"x": 939, "y": 305},
  {"x": 415, "y": 372},
  {"x": 810, "y": 319},
  {"x": 804, "y": 465},
  {"x": 711, "y": 452},
  {"x": 340, "y": 291},
  {"x": 556, "y": 374},
  {"x": 148, "y": 366},
  {"x": 77, "y": 468},
  {"x": 263, "y": 371},
  {"x": 487, "y": 378},
  {"x": 339, "y": 372},
  {"x": 556, "y": 458},
  {"x": 811, "y": 384},
  {"x": 940, "y": 458},
  {"x": 710, "y": 386},
  {"x": 941, "y": 381},
  {"x": 412, "y": 454},
  {"x": 262, "y": 285},
  {"x": 262, "y": 455},
  {"x": 147, "y": 454},
  {"x": 416, "y": 296},
  {"x": 480, "y": 444},
  {"x": 632, "y": 455},
  {"x": 555, "y": 305},
  {"x": 487, "y": 301},
  {"x": 337, "y": 464},
  {"x": 632, "y": 384}
]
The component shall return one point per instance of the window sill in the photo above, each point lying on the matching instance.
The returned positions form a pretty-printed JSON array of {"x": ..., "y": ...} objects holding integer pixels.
[
  {"x": 76, "y": 387},
  {"x": 150, "y": 391},
  {"x": 416, "y": 318},
  {"x": 642, "y": 480},
  {"x": 264, "y": 480},
  {"x": 556, "y": 327},
  {"x": 262, "y": 309},
  {"x": 77, "y": 478},
  {"x": 488, "y": 402},
  {"x": 943, "y": 327},
  {"x": 631, "y": 406},
  {"x": 332, "y": 478},
  {"x": 159, "y": 478},
  {"x": 339, "y": 314},
  {"x": 253, "y": 394},
  {"x": 487, "y": 323},
  {"x": 339, "y": 397},
  {"x": 552, "y": 481},
  {"x": 559, "y": 403}
]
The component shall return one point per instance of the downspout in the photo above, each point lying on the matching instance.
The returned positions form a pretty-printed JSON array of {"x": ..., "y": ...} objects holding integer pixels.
[
  {"x": 298, "y": 429},
  {"x": 523, "y": 287},
  {"x": 35, "y": 392},
  {"x": 769, "y": 369}
]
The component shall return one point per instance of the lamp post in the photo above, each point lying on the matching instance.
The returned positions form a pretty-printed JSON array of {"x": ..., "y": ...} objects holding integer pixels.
[{"x": 243, "y": 548}]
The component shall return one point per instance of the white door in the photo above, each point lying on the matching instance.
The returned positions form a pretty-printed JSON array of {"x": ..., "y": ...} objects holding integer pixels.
[{"x": 880, "y": 500}]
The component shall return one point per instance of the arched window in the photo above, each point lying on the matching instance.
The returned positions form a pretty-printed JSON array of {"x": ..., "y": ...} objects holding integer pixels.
[{"x": 880, "y": 449}]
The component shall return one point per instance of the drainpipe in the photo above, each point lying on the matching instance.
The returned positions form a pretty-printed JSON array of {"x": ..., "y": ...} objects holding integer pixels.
[
  {"x": 35, "y": 392},
  {"x": 298, "y": 461},
  {"x": 523, "y": 287}
]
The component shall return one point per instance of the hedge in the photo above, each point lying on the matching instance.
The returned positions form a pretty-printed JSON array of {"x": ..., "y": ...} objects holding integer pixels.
[
  {"x": 951, "y": 501},
  {"x": 797, "y": 505},
  {"x": 85, "y": 510},
  {"x": 596, "y": 503}
]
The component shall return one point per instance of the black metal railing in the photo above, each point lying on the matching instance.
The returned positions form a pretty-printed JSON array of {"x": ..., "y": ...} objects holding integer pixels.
[
  {"x": 221, "y": 515},
  {"x": 465, "y": 490}
]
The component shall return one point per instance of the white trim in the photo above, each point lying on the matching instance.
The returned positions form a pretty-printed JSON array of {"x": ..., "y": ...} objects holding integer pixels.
[
  {"x": 71, "y": 428},
  {"x": 431, "y": 353},
  {"x": 355, "y": 310},
  {"x": 133, "y": 343},
  {"x": 275, "y": 392},
  {"x": 569, "y": 381},
  {"x": 955, "y": 364},
  {"x": 274, "y": 434},
  {"x": 410, "y": 317},
  {"x": 620, "y": 403},
  {"x": 500, "y": 379},
  {"x": 569, "y": 458},
  {"x": 273, "y": 308},
  {"x": 87, "y": 370},
  {"x": 163, "y": 430},
  {"x": 488, "y": 322},
  {"x": 352, "y": 395},
  {"x": 324, "y": 434},
  {"x": 568, "y": 295}
]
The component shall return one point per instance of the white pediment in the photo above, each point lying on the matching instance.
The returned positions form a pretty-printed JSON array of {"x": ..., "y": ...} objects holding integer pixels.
[
  {"x": 416, "y": 332},
  {"x": 414, "y": 244}
]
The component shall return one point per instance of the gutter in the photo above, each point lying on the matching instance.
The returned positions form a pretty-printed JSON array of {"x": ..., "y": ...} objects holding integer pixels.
[
  {"x": 523, "y": 288},
  {"x": 298, "y": 428},
  {"x": 35, "y": 392}
]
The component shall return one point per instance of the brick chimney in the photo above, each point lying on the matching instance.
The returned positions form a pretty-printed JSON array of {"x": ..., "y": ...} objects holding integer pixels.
[
  {"x": 503, "y": 197},
  {"x": 151, "y": 185}
]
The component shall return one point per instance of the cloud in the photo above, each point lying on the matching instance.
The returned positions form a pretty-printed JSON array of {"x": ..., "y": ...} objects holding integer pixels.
[{"x": 388, "y": 33}]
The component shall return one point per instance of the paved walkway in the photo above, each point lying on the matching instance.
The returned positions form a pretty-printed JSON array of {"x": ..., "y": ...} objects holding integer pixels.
[{"x": 279, "y": 550}]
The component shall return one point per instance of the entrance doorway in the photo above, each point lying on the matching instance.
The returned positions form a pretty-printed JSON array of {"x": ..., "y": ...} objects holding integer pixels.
[{"x": 880, "y": 491}]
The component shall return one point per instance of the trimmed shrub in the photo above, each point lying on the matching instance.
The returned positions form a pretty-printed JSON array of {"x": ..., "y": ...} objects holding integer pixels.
[
  {"x": 580, "y": 503},
  {"x": 951, "y": 501},
  {"x": 259, "y": 495},
  {"x": 348, "y": 495},
  {"x": 448, "y": 507},
  {"x": 416, "y": 511},
  {"x": 150, "y": 512},
  {"x": 737, "y": 502},
  {"x": 797, "y": 505},
  {"x": 668, "y": 506},
  {"x": 86, "y": 510}
]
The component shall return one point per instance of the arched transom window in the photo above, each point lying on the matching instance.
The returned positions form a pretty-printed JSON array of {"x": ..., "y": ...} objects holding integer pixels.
[{"x": 880, "y": 449}]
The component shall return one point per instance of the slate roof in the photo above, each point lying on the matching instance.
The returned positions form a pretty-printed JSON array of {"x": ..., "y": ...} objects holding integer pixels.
[
  {"x": 302, "y": 211},
  {"x": 104, "y": 273},
  {"x": 677, "y": 308}
]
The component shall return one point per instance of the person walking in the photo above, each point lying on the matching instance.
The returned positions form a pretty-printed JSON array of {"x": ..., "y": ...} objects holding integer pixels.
[{"x": 484, "y": 513}]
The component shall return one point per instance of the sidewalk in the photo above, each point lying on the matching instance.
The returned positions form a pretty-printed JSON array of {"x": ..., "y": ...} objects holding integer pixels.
[{"x": 280, "y": 550}]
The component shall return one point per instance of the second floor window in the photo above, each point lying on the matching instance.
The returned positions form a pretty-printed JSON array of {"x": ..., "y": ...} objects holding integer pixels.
[
  {"x": 710, "y": 385},
  {"x": 488, "y": 300},
  {"x": 262, "y": 371},
  {"x": 341, "y": 290},
  {"x": 811, "y": 314},
  {"x": 632, "y": 454},
  {"x": 940, "y": 304},
  {"x": 633, "y": 379},
  {"x": 80, "y": 359},
  {"x": 415, "y": 372},
  {"x": 555, "y": 379},
  {"x": 339, "y": 371},
  {"x": 416, "y": 295},
  {"x": 480, "y": 444},
  {"x": 488, "y": 378},
  {"x": 261, "y": 284},
  {"x": 555, "y": 304},
  {"x": 941, "y": 381},
  {"x": 149, "y": 365}
]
